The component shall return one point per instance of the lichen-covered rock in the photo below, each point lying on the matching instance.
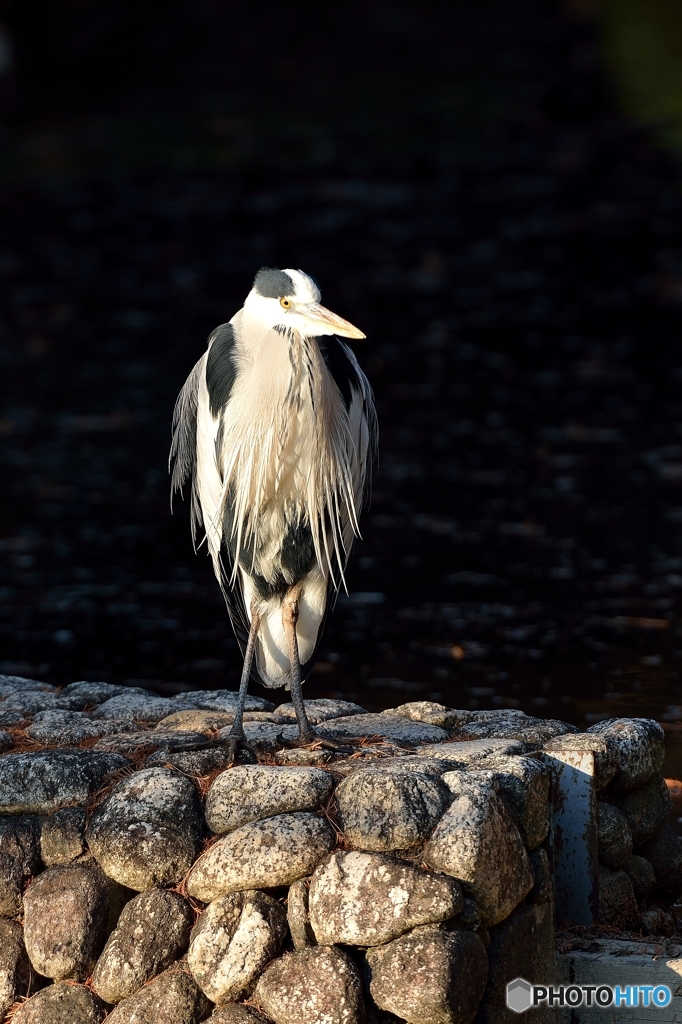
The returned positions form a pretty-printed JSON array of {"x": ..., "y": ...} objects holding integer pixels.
[
  {"x": 405, "y": 763},
  {"x": 314, "y": 986},
  {"x": 42, "y": 782},
  {"x": 17, "y": 683},
  {"x": 61, "y": 836},
  {"x": 94, "y": 693},
  {"x": 430, "y": 978},
  {"x": 522, "y": 946},
  {"x": 129, "y": 742},
  {"x": 68, "y": 727},
  {"x": 646, "y": 809},
  {"x": 606, "y": 759},
  {"x": 60, "y": 1004},
  {"x": 321, "y": 710},
  {"x": 19, "y": 860},
  {"x": 427, "y": 711},
  {"x": 196, "y": 721},
  {"x": 151, "y": 933},
  {"x": 238, "y": 1013},
  {"x": 477, "y": 842},
  {"x": 172, "y": 998},
  {"x": 15, "y": 968},
  {"x": 364, "y": 899},
  {"x": 31, "y": 702},
  {"x": 664, "y": 853},
  {"x": 617, "y": 903},
  {"x": 522, "y": 784},
  {"x": 135, "y": 707},
  {"x": 614, "y": 838},
  {"x": 10, "y": 718},
  {"x": 65, "y": 917},
  {"x": 463, "y": 753},
  {"x": 233, "y": 940},
  {"x": 262, "y": 854},
  {"x": 543, "y": 890},
  {"x": 222, "y": 700},
  {"x": 191, "y": 762},
  {"x": 298, "y": 914},
  {"x": 253, "y": 792},
  {"x": 392, "y": 727},
  {"x": 534, "y": 732},
  {"x": 642, "y": 876},
  {"x": 147, "y": 830},
  {"x": 389, "y": 810},
  {"x": 640, "y": 743}
]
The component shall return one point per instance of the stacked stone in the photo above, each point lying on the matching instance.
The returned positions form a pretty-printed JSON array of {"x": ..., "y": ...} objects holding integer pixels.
[
  {"x": 410, "y": 879},
  {"x": 640, "y": 855}
]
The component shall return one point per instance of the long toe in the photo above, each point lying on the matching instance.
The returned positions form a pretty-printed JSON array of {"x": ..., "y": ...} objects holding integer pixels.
[
  {"x": 240, "y": 750},
  {"x": 314, "y": 740}
]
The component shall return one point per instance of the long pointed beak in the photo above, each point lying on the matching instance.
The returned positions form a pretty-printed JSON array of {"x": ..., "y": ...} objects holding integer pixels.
[{"x": 314, "y": 313}]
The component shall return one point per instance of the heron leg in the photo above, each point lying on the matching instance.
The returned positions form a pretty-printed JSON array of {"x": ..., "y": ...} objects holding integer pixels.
[
  {"x": 306, "y": 733},
  {"x": 236, "y": 739}
]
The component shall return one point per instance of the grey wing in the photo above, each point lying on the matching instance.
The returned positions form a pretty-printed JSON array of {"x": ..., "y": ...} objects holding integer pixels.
[{"x": 182, "y": 461}]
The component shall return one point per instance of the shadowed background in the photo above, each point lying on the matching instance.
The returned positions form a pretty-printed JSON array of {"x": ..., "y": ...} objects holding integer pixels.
[{"x": 491, "y": 192}]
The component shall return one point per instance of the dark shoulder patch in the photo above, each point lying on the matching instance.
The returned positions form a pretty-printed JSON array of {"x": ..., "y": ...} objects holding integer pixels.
[
  {"x": 272, "y": 283},
  {"x": 340, "y": 366},
  {"x": 220, "y": 367}
]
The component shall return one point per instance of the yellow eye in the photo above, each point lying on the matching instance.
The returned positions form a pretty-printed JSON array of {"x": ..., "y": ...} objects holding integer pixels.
[{"x": 285, "y": 303}]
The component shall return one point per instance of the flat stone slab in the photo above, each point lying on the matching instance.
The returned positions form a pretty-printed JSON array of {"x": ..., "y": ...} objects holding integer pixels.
[
  {"x": 21, "y": 683},
  {"x": 43, "y": 782},
  {"x": 148, "y": 829},
  {"x": 29, "y": 702},
  {"x": 391, "y": 727},
  {"x": 390, "y": 810},
  {"x": 139, "y": 708},
  {"x": 69, "y": 727},
  {"x": 231, "y": 943},
  {"x": 223, "y": 700},
  {"x": 192, "y": 762},
  {"x": 402, "y": 763},
  {"x": 62, "y": 1003},
  {"x": 321, "y": 710},
  {"x": 427, "y": 711},
  {"x": 262, "y": 854},
  {"x": 252, "y": 792},
  {"x": 151, "y": 934},
  {"x": 162, "y": 740},
  {"x": 366, "y": 899},
  {"x": 313, "y": 986},
  {"x": 96, "y": 693},
  {"x": 196, "y": 721},
  {"x": 465, "y": 752}
]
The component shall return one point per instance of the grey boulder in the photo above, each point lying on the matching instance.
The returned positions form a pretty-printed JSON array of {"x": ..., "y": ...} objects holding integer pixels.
[
  {"x": 238, "y": 1013},
  {"x": 93, "y": 694},
  {"x": 172, "y": 998},
  {"x": 298, "y": 914},
  {"x": 223, "y": 700},
  {"x": 19, "y": 860},
  {"x": 477, "y": 842},
  {"x": 231, "y": 943},
  {"x": 313, "y": 986},
  {"x": 42, "y": 782},
  {"x": 433, "y": 977},
  {"x": 68, "y": 727},
  {"x": 646, "y": 809},
  {"x": 196, "y": 721},
  {"x": 427, "y": 711},
  {"x": 15, "y": 968},
  {"x": 191, "y": 762},
  {"x": 606, "y": 759},
  {"x": 390, "y": 727},
  {"x": 321, "y": 710},
  {"x": 614, "y": 839},
  {"x": 60, "y": 1004},
  {"x": 252, "y": 792},
  {"x": 129, "y": 742},
  {"x": 365, "y": 899},
  {"x": 389, "y": 810},
  {"x": 18, "y": 683},
  {"x": 640, "y": 743},
  {"x": 262, "y": 854},
  {"x": 61, "y": 836},
  {"x": 151, "y": 933},
  {"x": 147, "y": 830},
  {"x": 463, "y": 753},
  {"x": 522, "y": 784},
  {"x": 65, "y": 917},
  {"x": 136, "y": 707}
]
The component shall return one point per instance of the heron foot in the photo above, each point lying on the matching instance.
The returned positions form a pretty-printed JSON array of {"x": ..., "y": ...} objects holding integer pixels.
[
  {"x": 317, "y": 742},
  {"x": 239, "y": 744}
]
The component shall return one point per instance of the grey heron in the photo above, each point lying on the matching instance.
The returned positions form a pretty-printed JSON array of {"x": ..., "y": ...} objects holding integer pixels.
[{"x": 276, "y": 430}]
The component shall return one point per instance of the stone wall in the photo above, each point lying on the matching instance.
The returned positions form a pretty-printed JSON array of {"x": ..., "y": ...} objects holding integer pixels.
[{"x": 142, "y": 879}]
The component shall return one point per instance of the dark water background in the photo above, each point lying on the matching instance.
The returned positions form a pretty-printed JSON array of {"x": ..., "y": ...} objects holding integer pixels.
[{"x": 464, "y": 184}]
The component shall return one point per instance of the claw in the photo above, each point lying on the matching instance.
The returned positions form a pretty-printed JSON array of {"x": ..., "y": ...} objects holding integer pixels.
[{"x": 235, "y": 744}]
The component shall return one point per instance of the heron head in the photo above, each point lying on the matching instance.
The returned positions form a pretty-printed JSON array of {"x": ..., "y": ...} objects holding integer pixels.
[{"x": 291, "y": 299}]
